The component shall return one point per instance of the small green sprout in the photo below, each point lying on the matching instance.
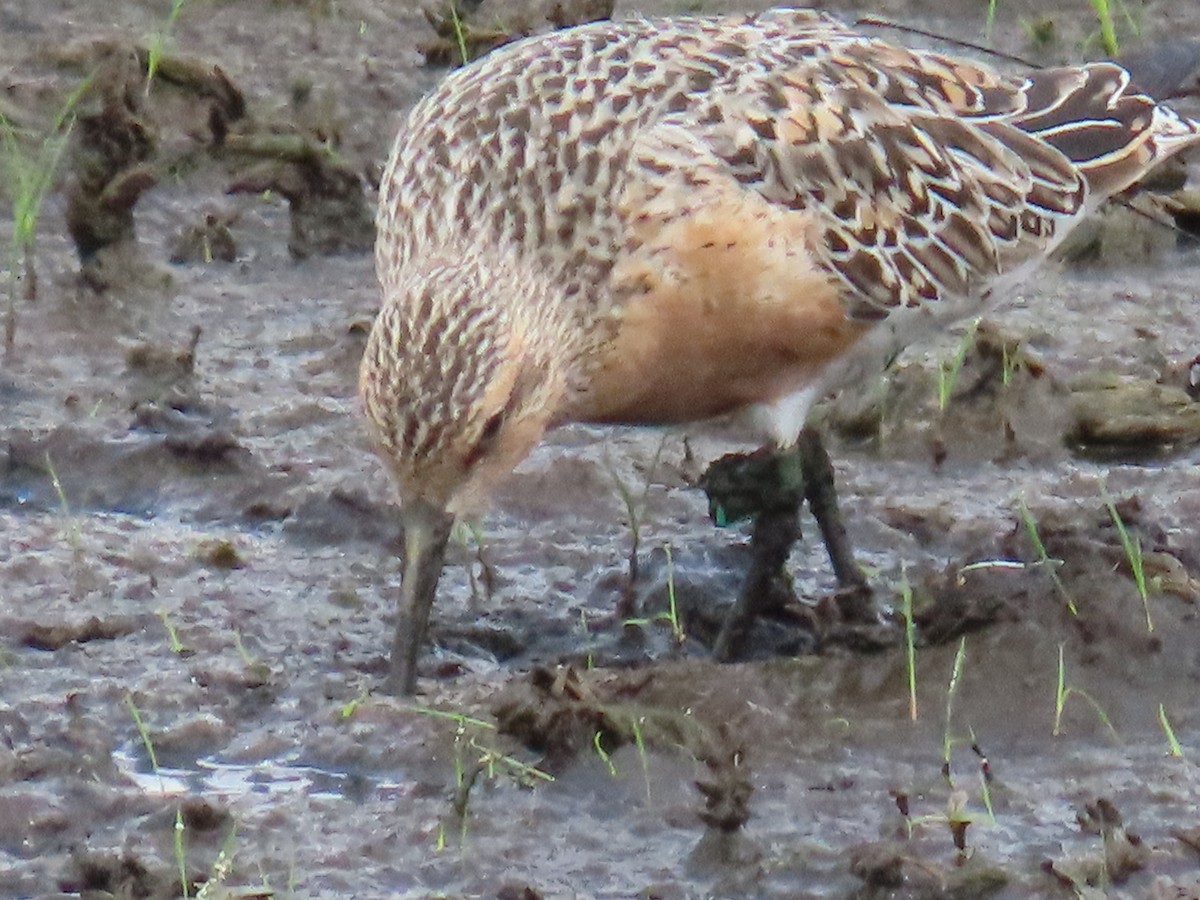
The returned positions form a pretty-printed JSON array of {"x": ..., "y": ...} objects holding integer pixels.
[
  {"x": 956, "y": 671},
  {"x": 1172, "y": 742},
  {"x": 74, "y": 534},
  {"x": 989, "y": 22},
  {"x": 483, "y": 760},
  {"x": 910, "y": 643},
  {"x": 1133, "y": 553},
  {"x": 1063, "y": 693},
  {"x": 639, "y": 741},
  {"x": 460, "y": 35},
  {"x": 671, "y": 616},
  {"x": 635, "y": 505},
  {"x": 1044, "y": 559},
  {"x": 157, "y": 43},
  {"x": 178, "y": 841},
  {"x": 948, "y": 372},
  {"x": 605, "y": 756},
  {"x": 178, "y": 647}
]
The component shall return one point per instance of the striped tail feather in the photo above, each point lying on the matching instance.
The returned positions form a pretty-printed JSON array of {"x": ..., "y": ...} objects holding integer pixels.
[{"x": 1096, "y": 117}]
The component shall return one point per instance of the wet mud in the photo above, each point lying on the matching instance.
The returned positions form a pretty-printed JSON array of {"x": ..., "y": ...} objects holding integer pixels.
[{"x": 199, "y": 561}]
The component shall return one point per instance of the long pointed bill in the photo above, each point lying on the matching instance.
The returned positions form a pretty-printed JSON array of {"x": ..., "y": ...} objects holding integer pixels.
[{"x": 426, "y": 531}]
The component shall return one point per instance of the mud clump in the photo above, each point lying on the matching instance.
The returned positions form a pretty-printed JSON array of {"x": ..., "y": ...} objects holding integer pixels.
[
  {"x": 1119, "y": 418},
  {"x": 889, "y": 869},
  {"x": 55, "y": 637},
  {"x": 117, "y": 155},
  {"x": 210, "y": 241},
  {"x": 560, "y": 714},
  {"x": 460, "y": 34},
  {"x": 120, "y": 876},
  {"x": 109, "y": 171},
  {"x": 1124, "y": 852},
  {"x": 329, "y": 212},
  {"x": 998, "y": 401},
  {"x": 726, "y": 792},
  {"x": 162, "y": 373},
  {"x": 221, "y": 554},
  {"x": 962, "y": 602},
  {"x": 995, "y": 400},
  {"x": 207, "y": 448}
]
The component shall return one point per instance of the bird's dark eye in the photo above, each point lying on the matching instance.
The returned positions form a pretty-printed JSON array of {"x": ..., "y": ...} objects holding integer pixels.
[
  {"x": 487, "y": 438},
  {"x": 491, "y": 428}
]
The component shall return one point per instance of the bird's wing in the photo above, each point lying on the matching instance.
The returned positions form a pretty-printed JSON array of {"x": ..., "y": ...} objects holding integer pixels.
[{"x": 930, "y": 178}]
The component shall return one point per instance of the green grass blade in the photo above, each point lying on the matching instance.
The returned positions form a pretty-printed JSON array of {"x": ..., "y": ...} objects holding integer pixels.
[
  {"x": 181, "y": 853},
  {"x": 1108, "y": 29},
  {"x": 910, "y": 646},
  {"x": 960, "y": 658},
  {"x": 948, "y": 372},
  {"x": 1172, "y": 741},
  {"x": 1133, "y": 554},
  {"x": 1044, "y": 558}
]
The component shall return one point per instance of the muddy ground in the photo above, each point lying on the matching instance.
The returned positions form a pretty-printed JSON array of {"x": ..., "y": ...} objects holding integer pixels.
[{"x": 199, "y": 550}]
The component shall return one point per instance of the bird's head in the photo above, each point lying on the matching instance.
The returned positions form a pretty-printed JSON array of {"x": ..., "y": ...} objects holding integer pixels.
[{"x": 458, "y": 380}]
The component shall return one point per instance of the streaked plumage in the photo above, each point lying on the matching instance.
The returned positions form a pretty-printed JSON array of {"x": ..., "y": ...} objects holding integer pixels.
[{"x": 660, "y": 221}]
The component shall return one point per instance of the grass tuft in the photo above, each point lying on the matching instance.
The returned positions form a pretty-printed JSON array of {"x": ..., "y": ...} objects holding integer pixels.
[
  {"x": 214, "y": 887},
  {"x": 74, "y": 533},
  {"x": 957, "y": 818},
  {"x": 483, "y": 586},
  {"x": 472, "y": 759},
  {"x": 635, "y": 511},
  {"x": 29, "y": 176},
  {"x": 671, "y": 616}
]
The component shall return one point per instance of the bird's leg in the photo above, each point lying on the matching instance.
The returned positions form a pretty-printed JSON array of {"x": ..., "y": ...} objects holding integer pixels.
[
  {"x": 820, "y": 491},
  {"x": 426, "y": 532},
  {"x": 775, "y": 532}
]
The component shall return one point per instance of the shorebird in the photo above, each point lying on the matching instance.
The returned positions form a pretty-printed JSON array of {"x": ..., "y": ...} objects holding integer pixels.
[{"x": 664, "y": 220}]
